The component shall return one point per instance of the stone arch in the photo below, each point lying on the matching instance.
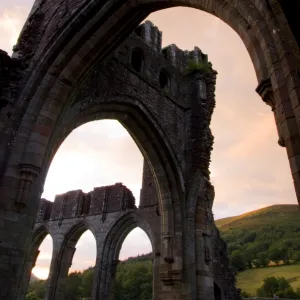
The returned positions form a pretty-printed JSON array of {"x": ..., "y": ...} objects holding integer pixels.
[
  {"x": 150, "y": 139},
  {"x": 63, "y": 256},
  {"x": 218, "y": 291},
  {"x": 40, "y": 233},
  {"x": 67, "y": 52},
  {"x": 71, "y": 65},
  {"x": 111, "y": 246}
]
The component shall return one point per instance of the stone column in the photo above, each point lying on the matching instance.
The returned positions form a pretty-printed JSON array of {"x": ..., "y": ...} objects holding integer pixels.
[
  {"x": 203, "y": 236},
  {"x": 286, "y": 111},
  {"x": 105, "y": 272},
  {"x": 112, "y": 275},
  {"x": 60, "y": 264},
  {"x": 27, "y": 274},
  {"x": 156, "y": 285}
]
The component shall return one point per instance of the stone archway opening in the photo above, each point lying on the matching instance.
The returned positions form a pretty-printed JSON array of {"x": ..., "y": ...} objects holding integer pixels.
[
  {"x": 60, "y": 65},
  {"x": 218, "y": 292},
  {"x": 237, "y": 102},
  {"x": 79, "y": 282},
  {"x": 95, "y": 154},
  {"x": 39, "y": 267},
  {"x": 134, "y": 274},
  {"x": 42, "y": 265}
]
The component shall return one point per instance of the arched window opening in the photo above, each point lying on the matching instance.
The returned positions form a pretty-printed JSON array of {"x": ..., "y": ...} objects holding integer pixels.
[
  {"x": 81, "y": 273},
  {"x": 134, "y": 274},
  {"x": 40, "y": 260},
  {"x": 218, "y": 292},
  {"x": 84, "y": 155},
  {"x": 137, "y": 59},
  {"x": 165, "y": 53},
  {"x": 138, "y": 31},
  {"x": 163, "y": 79},
  {"x": 43, "y": 261}
]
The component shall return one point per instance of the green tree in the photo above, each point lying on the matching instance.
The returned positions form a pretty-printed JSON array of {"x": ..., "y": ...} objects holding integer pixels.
[
  {"x": 73, "y": 286},
  {"x": 87, "y": 282},
  {"x": 269, "y": 287},
  {"x": 276, "y": 255},
  {"x": 39, "y": 287},
  {"x": 237, "y": 261},
  {"x": 263, "y": 259},
  {"x": 32, "y": 296}
]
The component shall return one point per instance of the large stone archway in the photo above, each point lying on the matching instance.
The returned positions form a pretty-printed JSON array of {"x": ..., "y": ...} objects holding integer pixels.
[{"x": 57, "y": 50}]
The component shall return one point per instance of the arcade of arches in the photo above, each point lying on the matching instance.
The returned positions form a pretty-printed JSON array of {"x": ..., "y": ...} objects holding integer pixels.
[{"x": 84, "y": 64}]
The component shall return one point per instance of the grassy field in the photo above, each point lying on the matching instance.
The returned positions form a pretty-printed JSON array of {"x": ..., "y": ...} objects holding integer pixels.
[{"x": 251, "y": 280}]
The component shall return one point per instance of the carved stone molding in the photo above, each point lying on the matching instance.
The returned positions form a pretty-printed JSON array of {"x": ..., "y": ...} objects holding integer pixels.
[
  {"x": 29, "y": 174},
  {"x": 171, "y": 277},
  {"x": 168, "y": 248},
  {"x": 265, "y": 90}
]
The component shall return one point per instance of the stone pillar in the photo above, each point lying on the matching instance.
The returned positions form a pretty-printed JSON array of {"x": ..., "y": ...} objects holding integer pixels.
[
  {"x": 156, "y": 286},
  {"x": 104, "y": 278},
  {"x": 112, "y": 275},
  {"x": 148, "y": 195},
  {"x": 17, "y": 198},
  {"x": 282, "y": 104},
  {"x": 60, "y": 264},
  {"x": 27, "y": 274},
  {"x": 203, "y": 236}
]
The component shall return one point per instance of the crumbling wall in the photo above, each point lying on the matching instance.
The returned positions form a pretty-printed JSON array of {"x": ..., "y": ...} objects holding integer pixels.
[
  {"x": 223, "y": 275},
  {"x": 76, "y": 203}
]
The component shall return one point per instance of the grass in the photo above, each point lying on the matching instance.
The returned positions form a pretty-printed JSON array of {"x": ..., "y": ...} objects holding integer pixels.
[
  {"x": 251, "y": 280},
  {"x": 287, "y": 214}
]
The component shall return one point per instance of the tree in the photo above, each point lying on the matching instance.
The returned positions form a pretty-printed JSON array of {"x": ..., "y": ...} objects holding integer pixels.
[
  {"x": 263, "y": 259},
  {"x": 277, "y": 286},
  {"x": 39, "y": 287},
  {"x": 32, "y": 296},
  {"x": 238, "y": 261},
  {"x": 73, "y": 286},
  {"x": 276, "y": 255},
  {"x": 87, "y": 282},
  {"x": 269, "y": 287}
]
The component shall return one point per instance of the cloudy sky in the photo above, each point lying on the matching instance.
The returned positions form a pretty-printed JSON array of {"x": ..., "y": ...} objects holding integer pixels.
[{"x": 249, "y": 170}]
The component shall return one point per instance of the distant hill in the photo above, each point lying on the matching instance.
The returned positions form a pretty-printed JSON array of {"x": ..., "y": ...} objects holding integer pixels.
[{"x": 275, "y": 215}]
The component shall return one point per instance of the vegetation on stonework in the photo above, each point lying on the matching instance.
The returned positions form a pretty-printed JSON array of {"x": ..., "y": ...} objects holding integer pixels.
[
  {"x": 261, "y": 244},
  {"x": 202, "y": 68}
]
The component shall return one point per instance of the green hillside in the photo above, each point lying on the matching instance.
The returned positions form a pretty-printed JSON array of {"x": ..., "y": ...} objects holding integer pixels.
[{"x": 276, "y": 215}]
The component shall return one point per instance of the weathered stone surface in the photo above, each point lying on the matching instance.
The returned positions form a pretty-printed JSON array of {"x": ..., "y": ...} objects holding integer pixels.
[
  {"x": 71, "y": 215},
  {"x": 73, "y": 64}
]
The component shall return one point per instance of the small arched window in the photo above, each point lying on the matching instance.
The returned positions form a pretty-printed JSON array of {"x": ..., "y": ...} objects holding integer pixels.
[
  {"x": 138, "y": 31},
  {"x": 137, "y": 59},
  {"x": 163, "y": 79},
  {"x": 165, "y": 53}
]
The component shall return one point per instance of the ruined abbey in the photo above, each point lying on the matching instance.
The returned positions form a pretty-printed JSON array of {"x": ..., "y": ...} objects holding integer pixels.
[{"x": 77, "y": 61}]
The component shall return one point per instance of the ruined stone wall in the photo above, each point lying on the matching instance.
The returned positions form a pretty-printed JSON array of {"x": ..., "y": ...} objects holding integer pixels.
[
  {"x": 223, "y": 275},
  {"x": 110, "y": 213},
  {"x": 76, "y": 203},
  {"x": 149, "y": 193}
]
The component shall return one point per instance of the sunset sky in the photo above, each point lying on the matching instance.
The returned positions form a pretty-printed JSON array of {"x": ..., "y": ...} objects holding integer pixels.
[{"x": 249, "y": 170}]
